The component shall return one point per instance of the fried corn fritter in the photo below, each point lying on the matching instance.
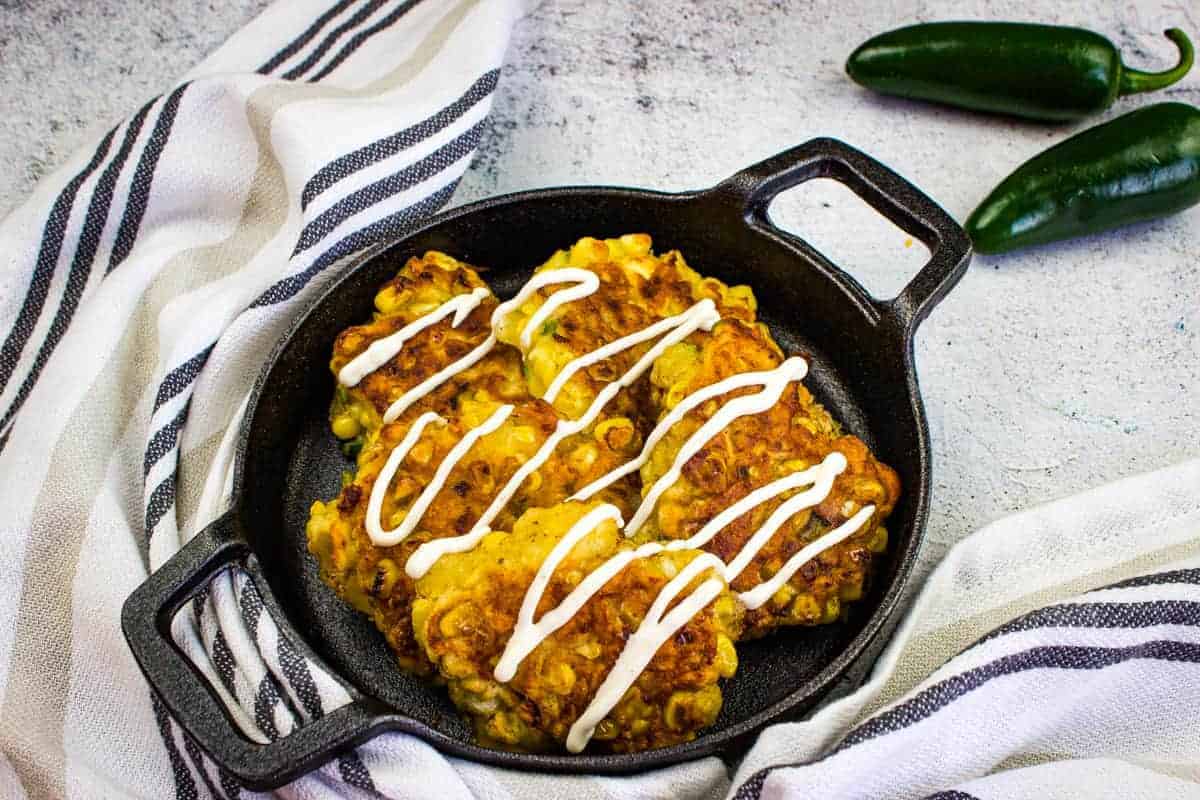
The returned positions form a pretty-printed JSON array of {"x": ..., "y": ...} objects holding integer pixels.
[
  {"x": 467, "y": 607},
  {"x": 637, "y": 289},
  {"x": 420, "y": 287},
  {"x": 453, "y": 622},
  {"x": 372, "y": 578},
  {"x": 752, "y": 451}
]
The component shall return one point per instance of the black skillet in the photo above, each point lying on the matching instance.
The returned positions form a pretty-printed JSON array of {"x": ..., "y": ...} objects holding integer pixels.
[{"x": 860, "y": 351}]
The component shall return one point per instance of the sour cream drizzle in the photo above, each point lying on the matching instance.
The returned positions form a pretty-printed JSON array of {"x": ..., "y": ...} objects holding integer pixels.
[
  {"x": 421, "y": 505},
  {"x": 655, "y": 629},
  {"x": 401, "y": 404},
  {"x": 658, "y": 625},
  {"x": 677, "y": 328},
  {"x": 681, "y": 409},
  {"x": 528, "y": 634},
  {"x": 381, "y": 537},
  {"x": 383, "y": 350},
  {"x": 639, "y": 650},
  {"x": 700, "y": 316},
  {"x": 584, "y": 277},
  {"x": 588, "y": 283}
]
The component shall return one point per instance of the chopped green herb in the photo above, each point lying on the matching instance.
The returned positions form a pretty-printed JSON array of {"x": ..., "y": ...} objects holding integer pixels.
[{"x": 353, "y": 446}]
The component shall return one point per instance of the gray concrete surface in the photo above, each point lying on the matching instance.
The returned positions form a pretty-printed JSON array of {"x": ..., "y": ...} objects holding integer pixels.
[
  {"x": 1045, "y": 373},
  {"x": 70, "y": 69}
]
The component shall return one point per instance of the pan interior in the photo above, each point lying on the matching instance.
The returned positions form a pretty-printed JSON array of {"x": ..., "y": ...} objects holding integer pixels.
[{"x": 856, "y": 370}]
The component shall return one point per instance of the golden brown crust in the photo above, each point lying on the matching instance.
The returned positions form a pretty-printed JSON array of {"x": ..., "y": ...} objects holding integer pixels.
[
  {"x": 453, "y": 623},
  {"x": 372, "y": 578},
  {"x": 421, "y": 286},
  {"x": 794, "y": 434},
  {"x": 636, "y": 290},
  {"x": 467, "y": 607}
]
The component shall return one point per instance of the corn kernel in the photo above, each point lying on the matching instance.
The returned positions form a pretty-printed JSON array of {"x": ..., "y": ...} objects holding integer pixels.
[
  {"x": 674, "y": 715},
  {"x": 804, "y": 421},
  {"x": 805, "y": 609},
  {"x": 727, "y": 610},
  {"x": 743, "y": 295},
  {"x": 421, "y": 453},
  {"x": 456, "y": 667},
  {"x": 589, "y": 650},
  {"x": 606, "y": 729},
  {"x": 833, "y": 607},
  {"x": 346, "y": 427},
  {"x": 386, "y": 300},
  {"x": 784, "y": 596},
  {"x": 319, "y": 541},
  {"x": 635, "y": 243},
  {"x": 560, "y": 678},
  {"x": 583, "y": 457},
  {"x": 726, "y": 660},
  {"x": 706, "y": 704},
  {"x": 878, "y": 541},
  {"x": 616, "y": 432},
  {"x": 506, "y": 727}
]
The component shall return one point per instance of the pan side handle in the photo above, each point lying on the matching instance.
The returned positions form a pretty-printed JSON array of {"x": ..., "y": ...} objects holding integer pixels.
[
  {"x": 146, "y": 621},
  {"x": 891, "y": 195}
]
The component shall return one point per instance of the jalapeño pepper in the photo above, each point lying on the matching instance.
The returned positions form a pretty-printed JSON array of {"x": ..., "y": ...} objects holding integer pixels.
[
  {"x": 1140, "y": 166},
  {"x": 1041, "y": 72}
]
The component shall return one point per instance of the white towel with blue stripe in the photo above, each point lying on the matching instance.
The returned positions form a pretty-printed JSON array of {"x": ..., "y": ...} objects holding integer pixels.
[{"x": 1053, "y": 654}]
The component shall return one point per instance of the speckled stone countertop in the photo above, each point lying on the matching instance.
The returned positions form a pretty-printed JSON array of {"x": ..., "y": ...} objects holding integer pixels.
[{"x": 1044, "y": 373}]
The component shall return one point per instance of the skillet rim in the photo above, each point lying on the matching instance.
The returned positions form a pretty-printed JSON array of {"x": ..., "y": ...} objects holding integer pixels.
[
  {"x": 367, "y": 716},
  {"x": 707, "y": 742}
]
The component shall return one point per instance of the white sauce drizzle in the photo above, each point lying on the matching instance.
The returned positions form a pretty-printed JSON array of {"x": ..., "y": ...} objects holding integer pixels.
[
  {"x": 584, "y": 277},
  {"x": 428, "y": 553},
  {"x": 375, "y": 530},
  {"x": 640, "y": 648},
  {"x": 383, "y": 350},
  {"x": 762, "y": 593},
  {"x": 677, "y": 328},
  {"x": 588, "y": 283},
  {"x": 418, "y": 509},
  {"x": 528, "y": 634},
  {"x": 773, "y": 385},
  {"x": 658, "y": 625},
  {"x": 681, "y": 409},
  {"x": 821, "y": 477},
  {"x": 401, "y": 404}
]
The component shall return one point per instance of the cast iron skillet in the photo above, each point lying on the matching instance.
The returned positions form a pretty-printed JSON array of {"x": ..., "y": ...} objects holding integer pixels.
[{"x": 860, "y": 351}]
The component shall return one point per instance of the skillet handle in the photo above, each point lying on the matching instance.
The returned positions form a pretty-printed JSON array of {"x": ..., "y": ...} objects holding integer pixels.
[
  {"x": 146, "y": 621},
  {"x": 882, "y": 189}
]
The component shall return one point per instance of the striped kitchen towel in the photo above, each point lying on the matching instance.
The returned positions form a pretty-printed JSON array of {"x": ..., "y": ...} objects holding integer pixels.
[
  {"x": 1053, "y": 654},
  {"x": 140, "y": 287}
]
